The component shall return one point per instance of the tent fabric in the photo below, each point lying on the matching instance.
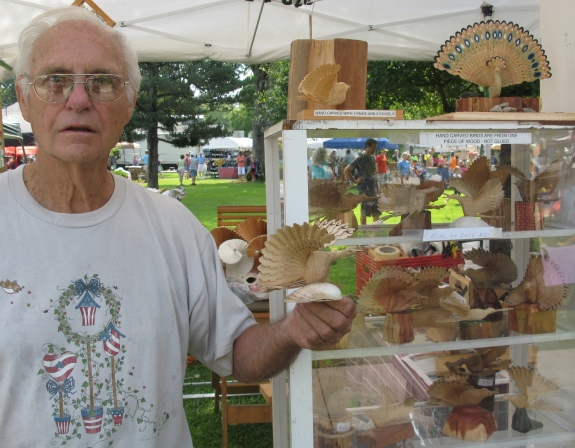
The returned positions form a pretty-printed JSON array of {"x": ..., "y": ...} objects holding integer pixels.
[
  {"x": 12, "y": 150},
  {"x": 357, "y": 143},
  {"x": 177, "y": 30},
  {"x": 13, "y": 113},
  {"x": 228, "y": 143},
  {"x": 12, "y": 131}
]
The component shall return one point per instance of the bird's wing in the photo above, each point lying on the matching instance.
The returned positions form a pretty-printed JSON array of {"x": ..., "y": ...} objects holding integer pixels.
[
  {"x": 317, "y": 84},
  {"x": 550, "y": 297},
  {"x": 478, "y": 173},
  {"x": 500, "y": 268},
  {"x": 384, "y": 285},
  {"x": 449, "y": 388},
  {"x": 388, "y": 396},
  {"x": 517, "y": 296},
  {"x": 491, "y": 354},
  {"x": 489, "y": 197},
  {"x": 512, "y": 170},
  {"x": 454, "y": 305},
  {"x": 284, "y": 258},
  {"x": 500, "y": 175},
  {"x": 339, "y": 230},
  {"x": 522, "y": 377},
  {"x": 396, "y": 199},
  {"x": 434, "y": 195},
  {"x": 464, "y": 187},
  {"x": 539, "y": 386},
  {"x": 430, "y": 277},
  {"x": 251, "y": 228},
  {"x": 325, "y": 193}
]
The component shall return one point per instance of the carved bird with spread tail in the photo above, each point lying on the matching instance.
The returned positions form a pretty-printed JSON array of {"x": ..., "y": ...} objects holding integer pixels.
[{"x": 321, "y": 86}]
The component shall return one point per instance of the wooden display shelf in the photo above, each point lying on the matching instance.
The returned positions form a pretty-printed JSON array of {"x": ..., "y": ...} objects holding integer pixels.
[{"x": 567, "y": 119}]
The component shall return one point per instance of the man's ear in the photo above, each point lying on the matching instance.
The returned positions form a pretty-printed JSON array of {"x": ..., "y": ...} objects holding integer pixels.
[{"x": 22, "y": 98}]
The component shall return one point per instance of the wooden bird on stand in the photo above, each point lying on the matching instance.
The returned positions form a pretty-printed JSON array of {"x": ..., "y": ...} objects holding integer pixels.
[
  {"x": 330, "y": 196},
  {"x": 462, "y": 310},
  {"x": 392, "y": 411},
  {"x": 531, "y": 385},
  {"x": 292, "y": 257},
  {"x": 467, "y": 421},
  {"x": 530, "y": 189},
  {"x": 533, "y": 290},
  {"x": 409, "y": 199},
  {"x": 485, "y": 358},
  {"x": 497, "y": 270},
  {"x": 494, "y": 54},
  {"x": 482, "y": 188},
  {"x": 321, "y": 86}
]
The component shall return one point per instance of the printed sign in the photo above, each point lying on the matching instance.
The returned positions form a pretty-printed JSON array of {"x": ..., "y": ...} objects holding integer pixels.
[
  {"x": 470, "y": 233},
  {"x": 473, "y": 138},
  {"x": 355, "y": 113}
]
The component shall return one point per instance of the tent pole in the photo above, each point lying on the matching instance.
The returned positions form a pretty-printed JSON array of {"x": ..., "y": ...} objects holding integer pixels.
[
  {"x": 256, "y": 30},
  {"x": 2, "y": 142}
]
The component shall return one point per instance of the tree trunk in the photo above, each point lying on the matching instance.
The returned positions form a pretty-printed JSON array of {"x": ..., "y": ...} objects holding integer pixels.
[
  {"x": 152, "y": 133},
  {"x": 262, "y": 82}
]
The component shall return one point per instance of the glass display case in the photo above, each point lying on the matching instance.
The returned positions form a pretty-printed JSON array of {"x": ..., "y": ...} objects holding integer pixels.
[{"x": 376, "y": 388}]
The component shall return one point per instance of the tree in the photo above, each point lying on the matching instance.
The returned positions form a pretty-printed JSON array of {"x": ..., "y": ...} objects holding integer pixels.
[
  {"x": 173, "y": 94},
  {"x": 8, "y": 91},
  {"x": 242, "y": 119}
]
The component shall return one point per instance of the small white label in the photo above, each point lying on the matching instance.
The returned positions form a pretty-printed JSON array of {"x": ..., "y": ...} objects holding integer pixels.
[
  {"x": 342, "y": 427},
  {"x": 486, "y": 382},
  {"x": 473, "y": 138},
  {"x": 354, "y": 113},
  {"x": 459, "y": 234}
]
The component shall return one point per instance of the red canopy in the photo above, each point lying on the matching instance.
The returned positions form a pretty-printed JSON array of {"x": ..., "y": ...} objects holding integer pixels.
[{"x": 11, "y": 150}]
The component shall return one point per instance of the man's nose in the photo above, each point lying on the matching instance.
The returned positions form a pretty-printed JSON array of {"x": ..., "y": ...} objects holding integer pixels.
[{"x": 79, "y": 98}]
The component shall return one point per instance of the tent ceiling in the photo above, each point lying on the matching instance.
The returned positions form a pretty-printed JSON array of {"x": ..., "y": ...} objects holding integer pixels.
[{"x": 175, "y": 30}]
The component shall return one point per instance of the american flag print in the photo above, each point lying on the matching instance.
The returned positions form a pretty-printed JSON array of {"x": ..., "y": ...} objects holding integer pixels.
[{"x": 60, "y": 366}]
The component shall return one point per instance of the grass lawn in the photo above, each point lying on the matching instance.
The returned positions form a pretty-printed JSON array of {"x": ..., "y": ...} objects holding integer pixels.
[{"x": 203, "y": 200}]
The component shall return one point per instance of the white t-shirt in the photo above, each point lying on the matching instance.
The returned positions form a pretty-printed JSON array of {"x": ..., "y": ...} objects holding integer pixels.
[{"x": 144, "y": 277}]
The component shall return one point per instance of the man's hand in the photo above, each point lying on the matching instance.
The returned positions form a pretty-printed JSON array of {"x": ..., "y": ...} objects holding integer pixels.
[
  {"x": 262, "y": 351},
  {"x": 319, "y": 325}
]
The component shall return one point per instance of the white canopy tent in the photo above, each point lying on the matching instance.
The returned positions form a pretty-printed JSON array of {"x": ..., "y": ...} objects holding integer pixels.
[
  {"x": 12, "y": 113},
  {"x": 228, "y": 143},
  {"x": 254, "y": 32}
]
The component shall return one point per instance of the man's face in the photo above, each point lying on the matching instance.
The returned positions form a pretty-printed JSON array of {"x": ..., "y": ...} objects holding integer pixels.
[
  {"x": 81, "y": 129},
  {"x": 370, "y": 150}
]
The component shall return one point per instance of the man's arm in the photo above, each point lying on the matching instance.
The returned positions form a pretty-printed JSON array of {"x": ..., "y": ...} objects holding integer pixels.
[{"x": 262, "y": 351}]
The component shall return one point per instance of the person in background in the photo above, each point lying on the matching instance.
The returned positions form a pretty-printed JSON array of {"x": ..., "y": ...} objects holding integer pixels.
[
  {"x": 182, "y": 169},
  {"x": 366, "y": 181},
  {"x": 382, "y": 171},
  {"x": 443, "y": 169},
  {"x": 462, "y": 167},
  {"x": 135, "y": 160},
  {"x": 248, "y": 156},
  {"x": 494, "y": 160},
  {"x": 320, "y": 168},
  {"x": 348, "y": 158},
  {"x": 254, "y": 168},
  {"x": 416, "y": 169},
  {"x": 193, "y": 168},
  {"x": 435, "y": 160},
  {"x": 187, "y": 164},
  {"x": 333, "y": 163},
  {"x": 241, "y": 162},
  {"x": 160, "y": 168},
  {"x": 453, "y": 162},
  {"x": 470, "y": 159},
  {"x": 395, "y": 157},
  {"x": 403, "y": 166},
  {"x": 429, "y": 158},
  {"x": 145, "y": 165},
  {"x": 202, "y": 167}
]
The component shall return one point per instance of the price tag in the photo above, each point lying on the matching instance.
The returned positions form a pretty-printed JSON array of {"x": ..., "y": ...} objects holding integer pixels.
[
  {"x": 486, "y": 382},
  {"x": 342, "y": 427},
  {"x": 470, "y": 233}
]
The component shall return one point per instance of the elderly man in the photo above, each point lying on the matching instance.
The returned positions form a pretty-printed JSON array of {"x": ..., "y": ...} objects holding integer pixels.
[{"x": 113, "y": 285}]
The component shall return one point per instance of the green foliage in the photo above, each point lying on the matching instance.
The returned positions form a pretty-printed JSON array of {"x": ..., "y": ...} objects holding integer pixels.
[
  {"x": 242, "y": 119},
  {"x": 8, "y": 90},
  {"x": 272, "y": 93}
]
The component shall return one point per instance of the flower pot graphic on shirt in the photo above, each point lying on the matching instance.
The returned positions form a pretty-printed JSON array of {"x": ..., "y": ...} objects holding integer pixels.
[
  {"x": 63, "y": 423},
  {"x": 88, "y": 305},
  {"x": 117, "y": 415},
  {"x": 93, "y": 419}
]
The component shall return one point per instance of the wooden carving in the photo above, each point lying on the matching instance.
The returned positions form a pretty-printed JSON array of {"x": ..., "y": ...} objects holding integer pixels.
[
  {"x": 530, "y": 189},
  {"x": 409, "y": 199},
  {"x": 463, "y": 311},
  {"x": 321, "y": 86},
  {"x": 330, "y": 196},
  {"x": 316, "y": 292},
  {"x": 497, "y": 270},
  {"x": 251, "y": 228}
]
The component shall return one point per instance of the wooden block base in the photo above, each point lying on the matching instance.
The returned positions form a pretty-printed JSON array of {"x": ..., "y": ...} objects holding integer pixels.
[
  {"x": 483, "y": 104},
  {"x": 474, "y": 329},
  {"x": 398, "y": 327},
  {"x": 471, "y": 423},
  {"x": 528, "y": 216},
  {"x": 388, "y": 435},
  {"x": 527, "y": 318}
]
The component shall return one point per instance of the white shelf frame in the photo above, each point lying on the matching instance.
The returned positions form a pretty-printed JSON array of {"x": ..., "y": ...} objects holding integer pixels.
[{"x": 294, "y": 137}]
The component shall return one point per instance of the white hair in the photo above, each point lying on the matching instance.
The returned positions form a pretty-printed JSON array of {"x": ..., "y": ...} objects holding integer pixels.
[{"x": 48, "y": 19}]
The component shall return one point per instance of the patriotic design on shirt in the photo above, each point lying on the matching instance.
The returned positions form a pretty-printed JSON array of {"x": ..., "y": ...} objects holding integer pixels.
[{"x": 94, "y": 401}]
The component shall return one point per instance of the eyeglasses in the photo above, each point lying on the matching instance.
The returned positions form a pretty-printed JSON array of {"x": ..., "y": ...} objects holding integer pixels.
[{"x": 57, "y": 88}]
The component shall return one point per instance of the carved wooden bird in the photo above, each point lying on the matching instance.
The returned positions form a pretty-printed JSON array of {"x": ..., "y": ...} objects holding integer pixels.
[
  {"x": 497, "y": 270},
  {"x": 331, "y": 392},
  {"x": 532, "y": 288},
  {"x": 392, "y": 290},
  {"x": 494, "y": 54},
  {"x": 428, "y": 281},
  {"x": 463, "y": 310},
  {"x": 321, "y": 86},
  {"x": 392, "y": 411},
  {"x": 486, "y": 358},
  {"x": 456, "y": 391},
  {"x": 531, "y": 385},
  {"x": 330, "y": 196},
  {"x": 530, "y": 189},
  {"x": 292, "y": 257},
  {"x": 409, "y": 199}
]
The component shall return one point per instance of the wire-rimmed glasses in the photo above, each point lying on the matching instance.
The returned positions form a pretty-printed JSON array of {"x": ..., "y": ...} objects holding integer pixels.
[{"x": 57, "y": 88}]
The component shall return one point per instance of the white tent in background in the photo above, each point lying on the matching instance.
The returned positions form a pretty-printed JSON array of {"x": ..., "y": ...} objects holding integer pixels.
[
  {"x": 229, "y": 143},
  {"x": 12, "y": 113},
  {"x": 254, "y": 32}
]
